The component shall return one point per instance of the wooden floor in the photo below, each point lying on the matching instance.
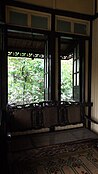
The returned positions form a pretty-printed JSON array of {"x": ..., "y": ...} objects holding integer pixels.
[{"x": 55, "y": 152}]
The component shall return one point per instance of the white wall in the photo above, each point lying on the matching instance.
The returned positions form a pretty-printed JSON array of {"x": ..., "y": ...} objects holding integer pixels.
[{"x": 94, "y": 91}]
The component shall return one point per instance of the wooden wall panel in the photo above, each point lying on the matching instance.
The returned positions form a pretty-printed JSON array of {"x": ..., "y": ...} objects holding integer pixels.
[
  {"x": 97, "y": 6},
  {"x": 80, "y": 6}
]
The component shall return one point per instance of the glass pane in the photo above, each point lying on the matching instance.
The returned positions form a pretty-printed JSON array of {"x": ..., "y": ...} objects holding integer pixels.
[
  {"x": 77, "y": 65},
  {"x": 18, "y": 18},
  {"x": 66, "y": 79},
  {"x": 39, "y": 22},
  {"x": 80, "y": 28},
  {"x": 74, "y": 79},
  {"x": 78, "y": 51},
  {"x": 76, "y": 93},
  {"x": 46, "y": 72},
  {"x": 77, "y": 79},
  {"x": 75, "y": 53},
  {"x": 63, "y": 26}
]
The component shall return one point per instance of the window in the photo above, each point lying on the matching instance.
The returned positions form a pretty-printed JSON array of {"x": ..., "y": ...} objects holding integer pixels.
[
  {"x": 63, "y": 26},
  {"x": 25, "y": 80},
  {"x": 80, "y": 28},
  {"x": 27, "y": 71},
  {"x": 18, "y": 18},
  {"x": 72, "y": 25},
  {"x": 76, "y": 74},
  {"x": 28, "y": 18},
  {"x": 35, "y": 22},
  {"x": 70, "y": 70},
  {"x": 66, "y": 79}
]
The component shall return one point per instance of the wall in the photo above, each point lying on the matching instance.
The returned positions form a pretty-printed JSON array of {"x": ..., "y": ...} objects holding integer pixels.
[
  {"x": 97, "y": 7},
  {"x": 80, "y": 6},
  {"x": 94, "y": 92}
]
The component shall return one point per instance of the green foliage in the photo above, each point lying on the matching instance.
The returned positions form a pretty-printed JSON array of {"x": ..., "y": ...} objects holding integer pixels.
[
  {"x": 26, "y": 80},
  {"x": 66, "y": 79}
]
